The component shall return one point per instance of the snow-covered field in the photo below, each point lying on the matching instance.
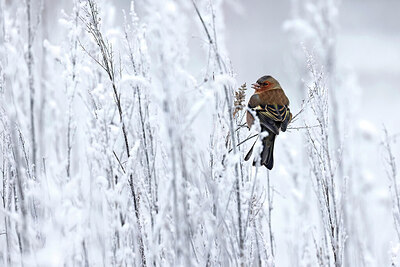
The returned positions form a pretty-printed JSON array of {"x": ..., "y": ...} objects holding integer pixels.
[{"x": 122, "y": 133}]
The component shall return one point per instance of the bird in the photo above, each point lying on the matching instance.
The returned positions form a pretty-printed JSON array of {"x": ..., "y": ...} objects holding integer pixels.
[{"x": 271, "y": 106}]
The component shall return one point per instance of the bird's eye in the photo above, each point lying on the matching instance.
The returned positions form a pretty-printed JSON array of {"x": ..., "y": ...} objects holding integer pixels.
[{"x": 266, "y": 83}]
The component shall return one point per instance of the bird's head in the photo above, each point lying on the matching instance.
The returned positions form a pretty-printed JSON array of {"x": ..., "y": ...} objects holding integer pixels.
[{"x": 266, "y": 83}]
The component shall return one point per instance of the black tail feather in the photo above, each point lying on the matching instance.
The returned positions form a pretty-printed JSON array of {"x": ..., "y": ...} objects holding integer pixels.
[{"x": 267, "y": 155}]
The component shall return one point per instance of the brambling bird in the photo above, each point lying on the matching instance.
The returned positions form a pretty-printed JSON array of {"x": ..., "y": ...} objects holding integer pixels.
[{"x": 271, "y": 106}]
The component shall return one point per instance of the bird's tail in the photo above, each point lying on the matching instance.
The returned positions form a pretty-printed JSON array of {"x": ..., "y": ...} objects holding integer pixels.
[{"x": 267, "y": 155}]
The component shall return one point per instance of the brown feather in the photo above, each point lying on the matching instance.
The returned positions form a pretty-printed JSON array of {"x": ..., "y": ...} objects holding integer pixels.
[
  {"x": 249, "y": 119},
  {"x": 273, "y": 97}
]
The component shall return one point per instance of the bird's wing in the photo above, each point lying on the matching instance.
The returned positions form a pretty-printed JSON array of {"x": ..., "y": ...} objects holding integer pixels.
[
  {"x": 273, "y": 117},
  {"x": 267, "y": 119},
  {"x": 276, "y": 112},
  {"x": 287, "y": 118}
]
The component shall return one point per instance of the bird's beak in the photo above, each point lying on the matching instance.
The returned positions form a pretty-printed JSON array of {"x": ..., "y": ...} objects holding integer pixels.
[{"x": 255, "y": 86}]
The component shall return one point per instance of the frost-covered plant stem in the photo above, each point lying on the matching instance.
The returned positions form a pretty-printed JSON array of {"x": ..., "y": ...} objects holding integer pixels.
[
  {"x": 73, "y": 85},
  {"x": 270, "y": 207},
  {"x": 2, "y": 41},
  {"x": 212, "y": 42},
  {"x": 19, "y": 199},
  {"x": 229, "y": 101},
  {"x": 29, "y": 63},
  {"x": 6, "y": 193},
  {"x": 107, "y": 63},
  {"x": 391, "y": 171},
  {"x": 323, "y": 170},
  {"x": 237, "y": 179},
  {"x": 147, "y": 136}
]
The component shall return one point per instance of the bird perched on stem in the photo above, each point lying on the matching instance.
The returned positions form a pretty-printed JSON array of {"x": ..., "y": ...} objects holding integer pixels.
[{"x": 271, "y": 106}]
